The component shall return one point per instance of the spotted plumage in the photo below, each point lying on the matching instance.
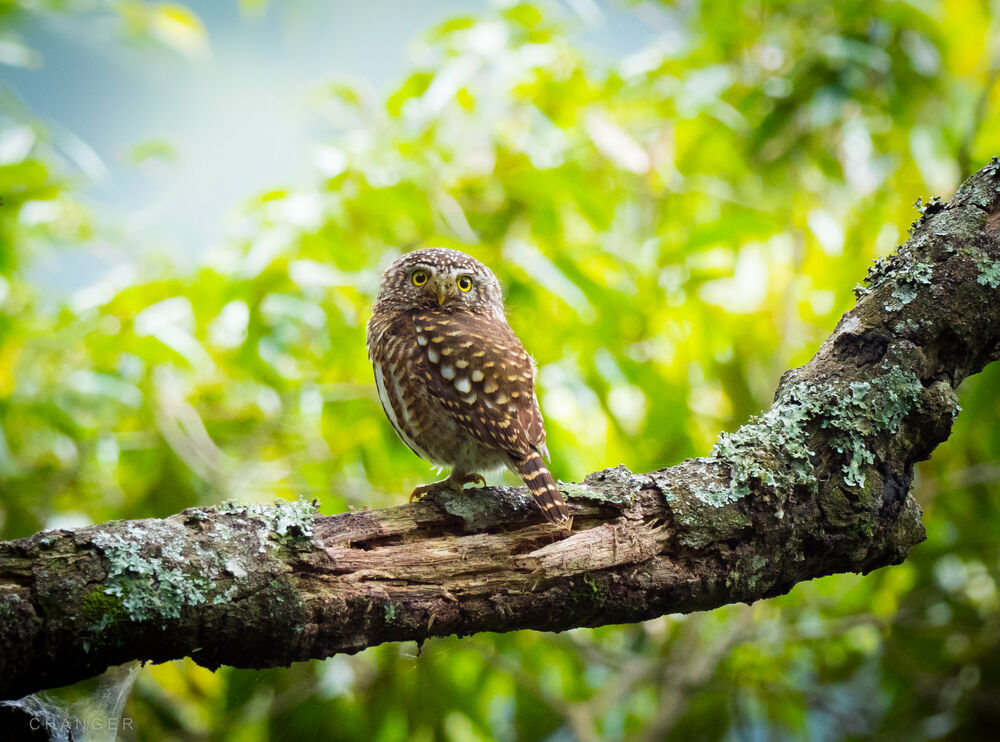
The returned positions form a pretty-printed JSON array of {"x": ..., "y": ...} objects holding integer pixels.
[{"x": 454, "y": 379}]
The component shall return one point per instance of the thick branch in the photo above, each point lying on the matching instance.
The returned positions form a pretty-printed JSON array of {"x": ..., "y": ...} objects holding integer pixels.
[{"x": 819, "y": 484}]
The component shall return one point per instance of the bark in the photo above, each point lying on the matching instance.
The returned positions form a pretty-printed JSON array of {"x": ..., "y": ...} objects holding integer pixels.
[{"x": 818, "y": 484}]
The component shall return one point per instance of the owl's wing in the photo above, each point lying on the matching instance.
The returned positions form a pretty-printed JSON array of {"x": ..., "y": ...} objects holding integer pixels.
[{"x": 478, "y": 370}]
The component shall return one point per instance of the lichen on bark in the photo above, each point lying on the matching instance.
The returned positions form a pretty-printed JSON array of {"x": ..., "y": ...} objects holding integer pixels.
[{"x": 149, "y": 563}]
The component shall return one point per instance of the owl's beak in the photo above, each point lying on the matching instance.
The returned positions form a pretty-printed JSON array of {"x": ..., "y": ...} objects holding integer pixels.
[{"x": 442, "y": 295}]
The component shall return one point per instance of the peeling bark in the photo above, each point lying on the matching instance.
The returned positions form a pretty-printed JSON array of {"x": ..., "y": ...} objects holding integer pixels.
[{"x": 819, "y": 484}]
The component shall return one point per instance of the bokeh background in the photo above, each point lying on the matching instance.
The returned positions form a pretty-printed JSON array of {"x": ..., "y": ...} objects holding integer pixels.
[{"x": 678, "y": 198}]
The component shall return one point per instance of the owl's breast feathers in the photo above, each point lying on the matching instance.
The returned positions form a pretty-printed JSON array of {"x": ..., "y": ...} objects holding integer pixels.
[{"x": 477, "y": 369}]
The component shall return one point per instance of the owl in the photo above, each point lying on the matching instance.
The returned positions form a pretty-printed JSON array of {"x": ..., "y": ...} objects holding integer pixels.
[{"x": 453, "y": 378}]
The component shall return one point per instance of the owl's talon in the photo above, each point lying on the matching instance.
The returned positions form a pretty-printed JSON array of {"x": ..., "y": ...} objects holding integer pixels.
[
  {"x": 461, "y": 480},
  {"x": 453, "y": 483},
  {"x": 425, "y": 489}
]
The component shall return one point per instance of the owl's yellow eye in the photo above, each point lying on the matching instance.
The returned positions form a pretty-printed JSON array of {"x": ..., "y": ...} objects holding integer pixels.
[
  {"x": 465, "y": 283},
  {"x": 419, "y": 278}
]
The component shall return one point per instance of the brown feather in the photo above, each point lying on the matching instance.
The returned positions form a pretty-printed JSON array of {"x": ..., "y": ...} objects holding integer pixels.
[
  {"x": 542, "y": 486},
  {"x": 484, "y": 354}
]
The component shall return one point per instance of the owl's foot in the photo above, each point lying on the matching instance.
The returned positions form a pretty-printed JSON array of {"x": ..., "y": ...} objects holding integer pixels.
[{"x": 454, "y": 483}]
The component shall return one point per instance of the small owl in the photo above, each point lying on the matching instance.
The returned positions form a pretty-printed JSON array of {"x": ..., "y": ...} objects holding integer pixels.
[{"x": 454, "y": 380}]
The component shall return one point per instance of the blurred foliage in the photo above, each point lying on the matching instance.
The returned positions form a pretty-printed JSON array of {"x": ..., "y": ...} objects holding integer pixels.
[{"x": 673, "y": 229}]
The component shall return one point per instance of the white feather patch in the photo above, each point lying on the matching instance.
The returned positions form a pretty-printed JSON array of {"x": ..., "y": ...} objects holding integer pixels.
[{"x": 390, "y": 412}]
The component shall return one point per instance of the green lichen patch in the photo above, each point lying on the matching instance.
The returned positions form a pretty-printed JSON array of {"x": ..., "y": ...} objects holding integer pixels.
[
  {"x": 146, "y": 570},
  {"x": 771, "y": 449},
  {"x": 707, "y": 511},
  {"x": 990, "y": 276},
  {"x": 901, "y": 269},
  {"x": 959, "y": 223},
  {"x": 878, "y": 273},
  {"x": 869, "y": 409},
  {"x": 157, "y": 568},
  {"x": 774, "y": 450},
  {"x": 391, "y": 611},
  {"x": 284, "y": 522},
  {"x": 908, "y": 280},
  {"x": 717, "y": 498},
  {"x": 579, "y": 491},
  {"x": 981, "y": 189},
  {"x": 901, "y": 295},
  {"x": 906, "y": 326},
  {"x": 989, "y": 270},
  {"x": 616, "y": 486}
]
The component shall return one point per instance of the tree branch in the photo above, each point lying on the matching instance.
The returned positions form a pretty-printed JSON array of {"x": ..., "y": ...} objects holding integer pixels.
[{"x": 818, "y": 484}]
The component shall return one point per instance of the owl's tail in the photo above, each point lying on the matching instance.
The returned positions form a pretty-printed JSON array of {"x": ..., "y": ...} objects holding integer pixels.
[{"x": 543, "y": 488}]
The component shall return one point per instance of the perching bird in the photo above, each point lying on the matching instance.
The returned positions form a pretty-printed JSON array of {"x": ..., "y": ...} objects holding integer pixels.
[{"x": 453, "y": 378}]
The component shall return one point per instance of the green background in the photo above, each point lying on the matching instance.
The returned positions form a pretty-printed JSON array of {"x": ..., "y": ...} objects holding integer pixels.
[{"x": 674, "y": 229}]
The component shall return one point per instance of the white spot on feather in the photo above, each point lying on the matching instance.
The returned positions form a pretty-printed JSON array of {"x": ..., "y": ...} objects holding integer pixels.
[
  {"x": 448, "y": 371},
  {"x": 463, "y": 385}
]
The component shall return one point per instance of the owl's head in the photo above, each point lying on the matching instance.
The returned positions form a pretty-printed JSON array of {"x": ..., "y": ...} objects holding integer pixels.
[{"x": 437, "y": 277}]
